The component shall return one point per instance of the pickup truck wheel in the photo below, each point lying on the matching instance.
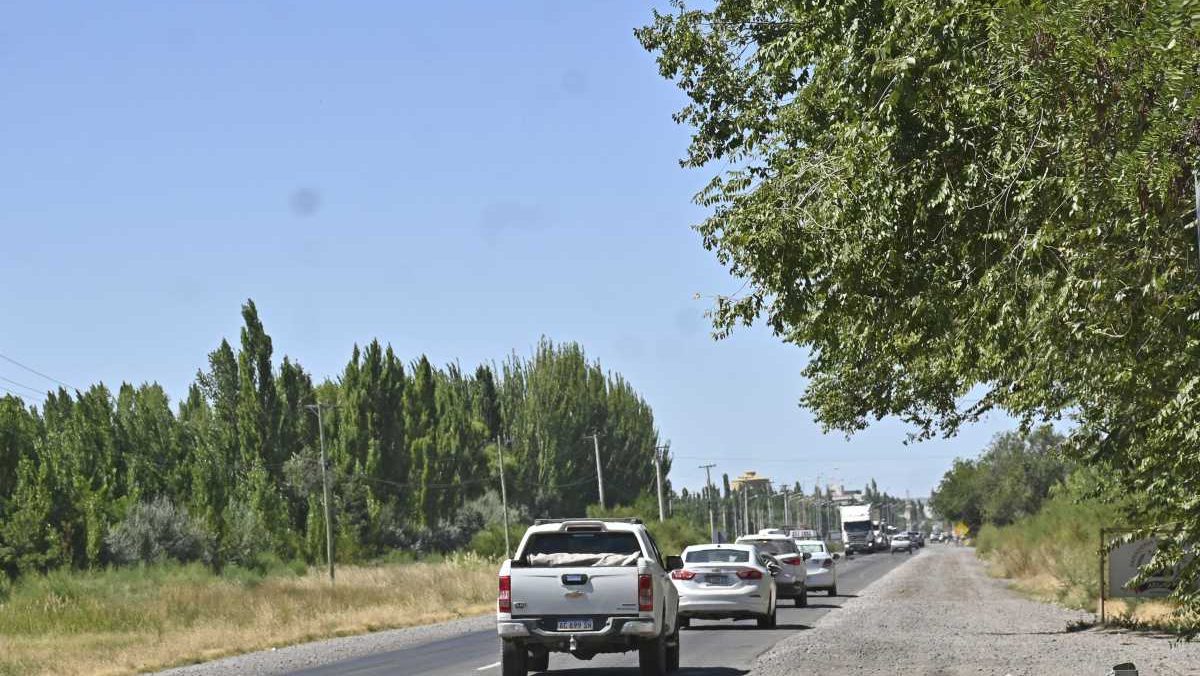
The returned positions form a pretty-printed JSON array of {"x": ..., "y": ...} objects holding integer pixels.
[
  {"x": 673, "y": 652},
  {"x": 652, "y": 656},
  {"x": 685, "y": 622},
  {"x": 539, "y": 660},
  {"x": 513, "y": 659},
  {"x": 802, "y": 600}
]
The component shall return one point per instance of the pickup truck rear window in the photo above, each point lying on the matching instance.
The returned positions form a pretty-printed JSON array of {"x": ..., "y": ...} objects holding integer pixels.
[{"x": 581, "y": 543}]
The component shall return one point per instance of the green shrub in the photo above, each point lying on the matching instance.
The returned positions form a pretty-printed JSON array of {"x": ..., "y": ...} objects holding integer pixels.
[{"x": 157, "y": 532}]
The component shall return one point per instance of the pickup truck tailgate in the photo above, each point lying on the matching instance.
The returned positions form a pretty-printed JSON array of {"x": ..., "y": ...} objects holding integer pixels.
[{"x": 575, "y": 591}]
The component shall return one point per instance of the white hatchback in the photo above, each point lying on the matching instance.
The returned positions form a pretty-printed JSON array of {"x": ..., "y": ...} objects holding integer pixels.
[{"x": 726, "y": 581}]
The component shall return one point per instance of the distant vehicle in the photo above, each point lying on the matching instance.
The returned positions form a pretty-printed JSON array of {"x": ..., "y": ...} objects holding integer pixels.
[
  {"x": 901, "y": 543},
  {"x": 722, "y": 581},
  {"x": 822, "y": 565},
  {"x": 917, "y": 538},
  {"x": 772, "y": 531},
  {"x": 587, "y": 586},
  {"x": 858, "y": 533},
  {"x": 804, "y": 534},
  {"x": 792, "y": 580}
]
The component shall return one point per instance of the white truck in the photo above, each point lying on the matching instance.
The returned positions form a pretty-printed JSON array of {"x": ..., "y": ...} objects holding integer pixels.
[
  {"x": 858, "y": 532},
  {"x": 588, "y": 586}
]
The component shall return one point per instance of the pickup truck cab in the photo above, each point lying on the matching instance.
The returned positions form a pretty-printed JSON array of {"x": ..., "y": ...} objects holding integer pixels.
[{"x": 587, "y": 586}]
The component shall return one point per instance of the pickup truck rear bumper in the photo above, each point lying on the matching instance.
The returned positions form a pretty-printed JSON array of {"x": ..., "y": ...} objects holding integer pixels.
[{"x": 616, "y": 633}]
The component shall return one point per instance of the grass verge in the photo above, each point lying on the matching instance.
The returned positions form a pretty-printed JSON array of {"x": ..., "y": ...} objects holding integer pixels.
[
  {"x": 135, "y": 620},
  {"x": 1053, "y": 555}
]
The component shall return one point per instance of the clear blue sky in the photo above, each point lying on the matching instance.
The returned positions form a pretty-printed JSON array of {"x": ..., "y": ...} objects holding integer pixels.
[{"x": 454, "y": 178}]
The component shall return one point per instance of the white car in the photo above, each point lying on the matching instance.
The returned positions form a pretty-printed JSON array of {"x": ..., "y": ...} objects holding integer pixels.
[
  {"x": 822, "y": 565},
  {"x": 792, "y": 580},
  {"x": 901, "y": 543},
  {"x": 721, "y": 581}
]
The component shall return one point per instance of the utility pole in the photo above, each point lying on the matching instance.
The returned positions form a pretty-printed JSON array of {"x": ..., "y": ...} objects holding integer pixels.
[
  {"x": 712, "y": 524},
  {"x": 770, "y": 511},
  {"x": 504, "y": 495},
  {"x": 599, "y": 470},
  {"x": 658, "y": 476},
  {"x": 787, "y": 520},
  {"x": 746, "y": 509},
  {"x": 325, "y": 486}
]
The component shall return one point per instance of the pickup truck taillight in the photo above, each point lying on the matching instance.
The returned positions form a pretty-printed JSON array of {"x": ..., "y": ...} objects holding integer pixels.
[
  {"x": 750, "y": 574},
  {"x": 645, "y": 592},
  {"x": 504, "y": 603},
  {"x": 682, "y": 574},
  {"x": 791, "y": 560}
]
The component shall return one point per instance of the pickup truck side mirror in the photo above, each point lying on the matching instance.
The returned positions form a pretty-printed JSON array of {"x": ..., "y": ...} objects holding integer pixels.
[{"x": 674, "y": 563}]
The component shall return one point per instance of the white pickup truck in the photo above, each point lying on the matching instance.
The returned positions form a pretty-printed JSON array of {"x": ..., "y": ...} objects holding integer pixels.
[{"x": 588, "y": 586}]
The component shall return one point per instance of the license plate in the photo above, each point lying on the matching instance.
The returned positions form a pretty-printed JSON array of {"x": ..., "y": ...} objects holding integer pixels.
[
  {"x": 581, "y": 624},
  {"x": 717, "y": 579}
]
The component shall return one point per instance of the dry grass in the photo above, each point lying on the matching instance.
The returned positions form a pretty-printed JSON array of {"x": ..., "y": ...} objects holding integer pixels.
[{"x": 122, "y": 622}]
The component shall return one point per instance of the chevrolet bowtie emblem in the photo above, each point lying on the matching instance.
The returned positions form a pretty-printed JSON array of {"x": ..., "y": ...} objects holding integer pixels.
[{"x": 574, "y": 595}]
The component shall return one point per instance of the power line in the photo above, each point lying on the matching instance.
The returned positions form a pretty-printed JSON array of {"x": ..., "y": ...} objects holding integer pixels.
[
  {"x": 36, "y": 372},
  {"x": 31, "y": 389}
]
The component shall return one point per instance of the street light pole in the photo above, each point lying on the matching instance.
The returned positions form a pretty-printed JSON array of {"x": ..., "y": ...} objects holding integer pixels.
[
  {"x": 503, "y": 495},
  {"x": 599, "y": 470},
  {"x": 787, "y": 521},
  {"x": 658, "y": 476},
  {"x": 325, "y": 487},
  {"x": 712, "y": 524}
]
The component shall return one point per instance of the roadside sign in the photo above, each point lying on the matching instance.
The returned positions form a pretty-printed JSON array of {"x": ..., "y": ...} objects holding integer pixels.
[{"x": 1123, "y": 564}]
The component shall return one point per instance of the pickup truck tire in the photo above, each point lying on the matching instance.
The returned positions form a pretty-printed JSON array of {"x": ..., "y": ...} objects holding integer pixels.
[
  {"x": 514, "y": 659},
  {"x": 673, "y": 652},
  {"x": 652, "y": 656},
  {"x": 539, "y": 660},
  {"x": 802, "y": 600}
]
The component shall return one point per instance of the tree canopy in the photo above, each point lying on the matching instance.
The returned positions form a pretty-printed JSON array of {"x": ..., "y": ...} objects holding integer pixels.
[
  {"x": 954, "y": 199},
  {"x": 232, "y": 474}
]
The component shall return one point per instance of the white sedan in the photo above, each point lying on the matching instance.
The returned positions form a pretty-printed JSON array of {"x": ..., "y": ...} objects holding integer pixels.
[
  {"x": 901, "y": 543},
  {"x": 726, "y": 581},
  {"x": 822, "y": 565}
]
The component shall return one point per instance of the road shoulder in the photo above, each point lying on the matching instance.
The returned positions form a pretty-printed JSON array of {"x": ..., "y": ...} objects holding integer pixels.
[
  {"x": 319, "y": 653},
  {"x": 943, "y": 615}
]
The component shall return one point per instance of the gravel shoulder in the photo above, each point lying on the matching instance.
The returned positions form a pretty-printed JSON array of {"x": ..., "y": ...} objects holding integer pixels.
[
  {"x": 943, "y": 615},
  {"x": 307, "y": 655}
]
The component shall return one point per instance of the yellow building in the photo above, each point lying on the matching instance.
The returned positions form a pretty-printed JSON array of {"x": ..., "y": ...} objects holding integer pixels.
[{"x": 751, "y": 480}]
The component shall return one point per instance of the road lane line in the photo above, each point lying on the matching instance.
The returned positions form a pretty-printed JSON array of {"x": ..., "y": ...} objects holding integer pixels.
[{"x": 493, "y": 665}]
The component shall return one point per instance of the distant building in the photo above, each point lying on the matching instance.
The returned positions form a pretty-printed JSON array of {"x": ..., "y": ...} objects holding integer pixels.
[
  {"x": 840, "y": 495},
  {"x": 751, "y": 480}
]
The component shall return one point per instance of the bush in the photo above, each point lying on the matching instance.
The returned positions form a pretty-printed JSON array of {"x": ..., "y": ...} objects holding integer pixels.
[{"x": 156, "y": 532}]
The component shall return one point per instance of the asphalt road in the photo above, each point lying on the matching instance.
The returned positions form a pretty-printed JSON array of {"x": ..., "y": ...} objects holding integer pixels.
[{"x": 710, "y": 648}]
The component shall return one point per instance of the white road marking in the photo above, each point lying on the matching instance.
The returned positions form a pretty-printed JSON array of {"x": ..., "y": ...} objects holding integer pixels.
[{"x": 493, "y": 665}]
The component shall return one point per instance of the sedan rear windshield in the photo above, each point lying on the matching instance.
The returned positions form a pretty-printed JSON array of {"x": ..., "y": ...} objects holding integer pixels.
[
  {"x": 718, "y": 556},
  {"x": 773, "y": 546},
  {"x": 582, "y": 543},
  {"x": 811, "y": 549}
]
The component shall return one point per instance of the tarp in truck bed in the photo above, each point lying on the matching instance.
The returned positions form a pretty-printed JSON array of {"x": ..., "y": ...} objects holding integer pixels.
[{"x": 581, "y": 560}]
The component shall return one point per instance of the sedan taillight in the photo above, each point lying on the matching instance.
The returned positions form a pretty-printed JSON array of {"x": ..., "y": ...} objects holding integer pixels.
[
  {"x": 504, "y": 603},
  {"x": 682, "y": 574},
  {"x": 791, "y": 560},
  {"x": 750, "y": 574},
  {"x": 827, "y": 563}
]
